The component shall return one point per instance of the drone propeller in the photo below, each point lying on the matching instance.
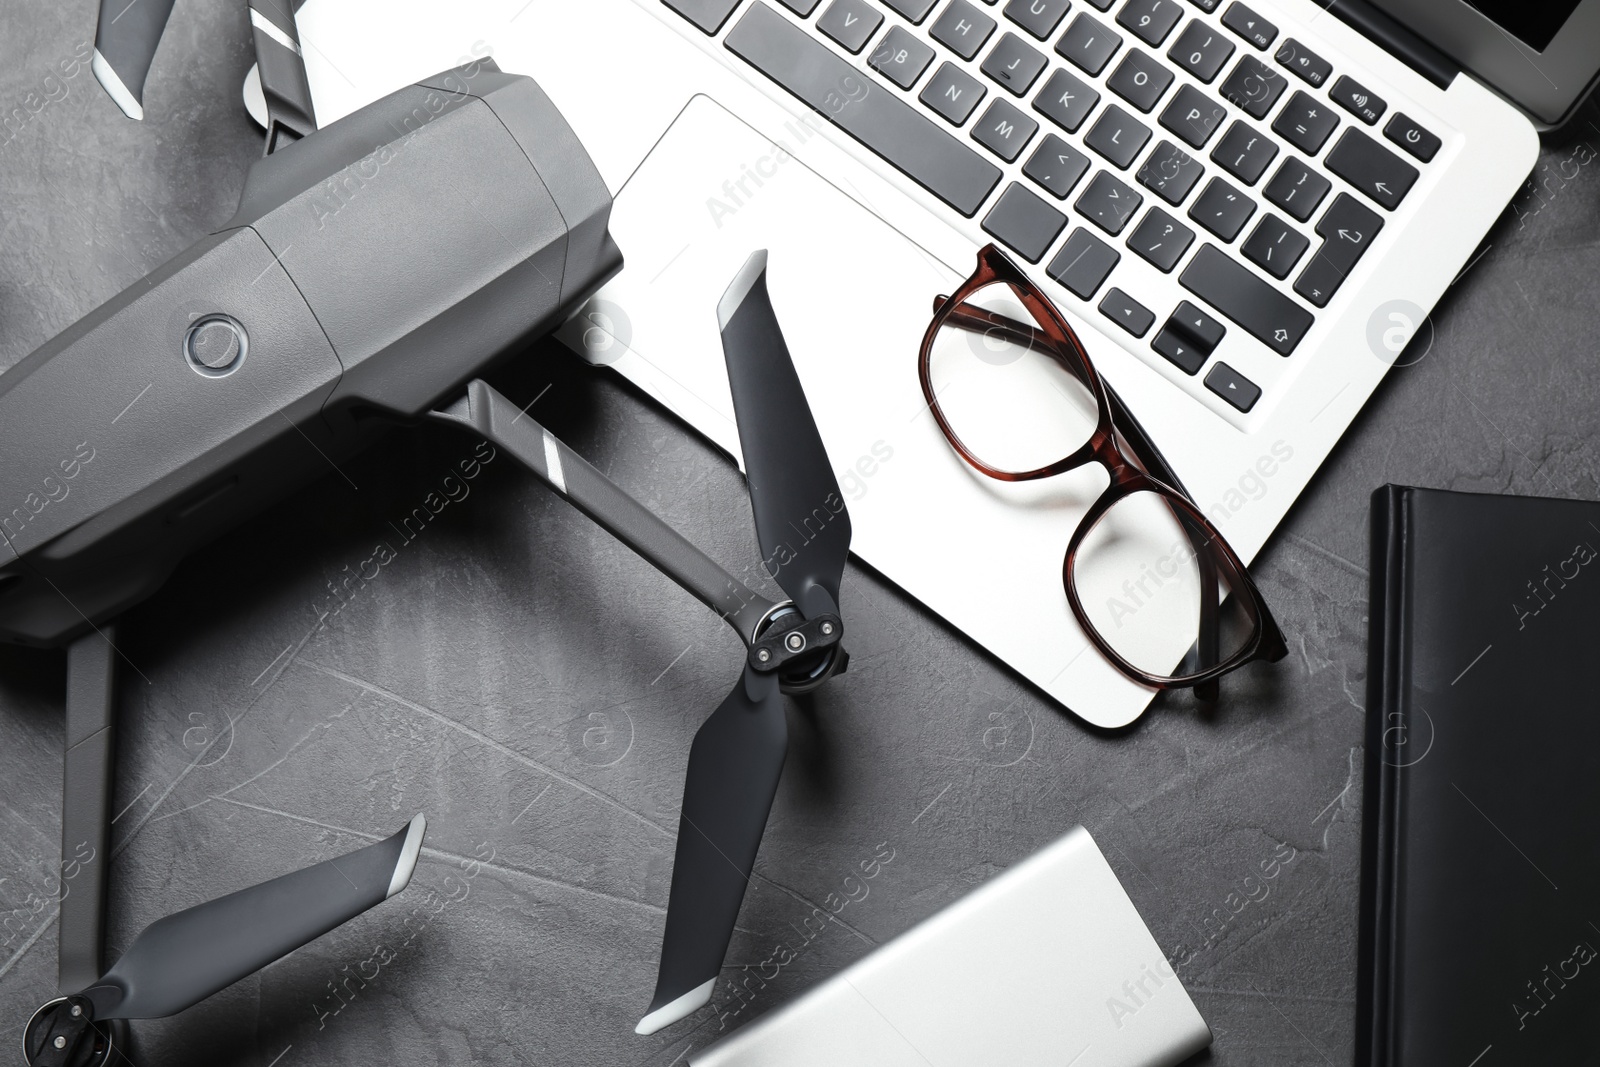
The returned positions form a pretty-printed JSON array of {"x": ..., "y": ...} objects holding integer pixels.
[
  {"x": 124, "y": 45},
  {"x": 737, "y": 756},
  {"x": 180, "y": 960},
  {"x": 801, "y": 521}
]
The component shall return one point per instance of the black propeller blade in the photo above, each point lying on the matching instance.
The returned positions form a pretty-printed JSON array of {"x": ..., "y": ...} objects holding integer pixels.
[
  {"x": 180, "y": 960},
  {"x": 734, "y": 766},
  {"x": 801, "y": 521},
  {"x": 124, "y": 44},
  {"x": 804, "y": 531}
]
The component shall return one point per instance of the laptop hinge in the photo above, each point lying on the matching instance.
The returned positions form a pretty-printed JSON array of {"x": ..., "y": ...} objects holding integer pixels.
[{"x": 1397, "y": 40}]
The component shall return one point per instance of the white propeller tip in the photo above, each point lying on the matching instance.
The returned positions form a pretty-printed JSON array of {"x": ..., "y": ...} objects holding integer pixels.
[
  {"x": 408, "y": 854},
  {"x": 112, "y": 84},
  {"x": 690, "y": 1002},
  {"x": 740, "y": 287}
]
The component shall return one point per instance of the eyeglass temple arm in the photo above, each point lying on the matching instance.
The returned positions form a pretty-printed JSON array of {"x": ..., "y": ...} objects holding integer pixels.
[
  {"x": 1207, "y": 645},
  {"x": 501, "y": 422}
]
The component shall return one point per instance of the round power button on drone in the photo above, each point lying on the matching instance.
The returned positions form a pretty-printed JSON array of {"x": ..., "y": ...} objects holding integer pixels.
[{"x": 215, "y": 345}]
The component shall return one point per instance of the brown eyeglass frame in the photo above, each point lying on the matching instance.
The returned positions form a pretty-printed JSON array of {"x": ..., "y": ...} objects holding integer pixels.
[{"x": 1138, "y": 468}]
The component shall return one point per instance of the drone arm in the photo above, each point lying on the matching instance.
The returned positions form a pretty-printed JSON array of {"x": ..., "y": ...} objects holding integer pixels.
[
  {"x": 290, "y": 115},
  {"x": 86, "y": 806},
  {"x": 502, "y": 423}
]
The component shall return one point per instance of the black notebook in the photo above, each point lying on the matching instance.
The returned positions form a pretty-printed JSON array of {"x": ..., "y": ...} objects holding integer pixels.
[{"x": 1480, "y": 924}]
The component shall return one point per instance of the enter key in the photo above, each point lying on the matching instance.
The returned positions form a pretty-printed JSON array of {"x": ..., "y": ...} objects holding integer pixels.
[{"x": 1347, "y": 229}]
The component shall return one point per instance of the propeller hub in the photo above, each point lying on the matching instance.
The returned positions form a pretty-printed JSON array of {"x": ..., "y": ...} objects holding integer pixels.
[
  {"x": 63, "y": 1033},
  {"x": 803, "y": 652}
]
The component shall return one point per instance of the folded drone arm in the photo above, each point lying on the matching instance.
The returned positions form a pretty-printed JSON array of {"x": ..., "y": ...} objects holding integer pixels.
[
  {"x": 501, "y": 422},
  {"x": 86, "y": 806},
  {"x": 290, "y": 114}
]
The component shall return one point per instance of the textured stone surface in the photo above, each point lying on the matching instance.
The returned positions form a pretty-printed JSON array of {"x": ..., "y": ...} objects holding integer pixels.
[{"x": 534, "y": 688}]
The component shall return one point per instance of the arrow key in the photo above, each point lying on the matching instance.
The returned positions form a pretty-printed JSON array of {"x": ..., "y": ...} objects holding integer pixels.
[
  {"x": 1127, "y": 312},
  {"x": 1371, "y": 168},
  {"x": 1233, "y": 387},
  {"x": 1205, "y": 331},
  {"x": 1179, "y": 350}
]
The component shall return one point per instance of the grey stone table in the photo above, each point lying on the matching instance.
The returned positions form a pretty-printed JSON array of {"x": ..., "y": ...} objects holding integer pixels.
[{"x": 532, "y": 686}]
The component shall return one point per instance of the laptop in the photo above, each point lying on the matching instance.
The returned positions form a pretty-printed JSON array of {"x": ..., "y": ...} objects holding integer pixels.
[{"x": 1245, "y": 210}]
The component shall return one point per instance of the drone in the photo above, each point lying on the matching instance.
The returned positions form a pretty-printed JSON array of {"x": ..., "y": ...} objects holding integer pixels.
[{"x": 287, "y": 340}]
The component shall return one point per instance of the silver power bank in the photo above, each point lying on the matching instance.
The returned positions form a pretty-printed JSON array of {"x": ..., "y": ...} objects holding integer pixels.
[{"x": 1046, "y": 964}]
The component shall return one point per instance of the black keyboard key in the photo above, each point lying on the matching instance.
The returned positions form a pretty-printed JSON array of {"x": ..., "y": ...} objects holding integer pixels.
[
  {"x": 1232, "y": 386},
  {"x": 962, "y": 28},
  {"x": 1014, "y": 64},
  {"x": 709, "y": 15},
  {"x": 901, "y": 57},
  {"x": 1083, "y": 264},
  {"x": 850, "y": 22},
  {"x": 1024, "y": 223},
  {"x": 1253, "y": 86},
  {"x": 1066, "y": 100},
  {"x": 1108, "y": 203},
  {"x": 1306, "y": 123},
  {"x": 1057, "y": 166},
  {"x": 1117, "y": 135},
  {"x": 1358, "y": 100},
  {"x": 1038, "y": 17},
  {"x": 1170, "y": 172},
  {"x": 1004, "y": 130},
  {"x": 803, "y": 8},
  {"x": 1297, "y": 189},
  {"x": 1244, "y": 153},
  {"x": 1101, "y": 5},
  {"x": 1222, "y": 209},
  {"x": 1208, "y": 6},
  {"x": 1193, "y": 116},
  {"x": 1242, "y": 297},
  {"x": 1088, "y": 44},
  {"x": 1372, "y": 168},
  {"x": 953, "y": 93},
  {"x": 1139, "y": 79},
  {"x": 1249, "y": 25},
  {"x": 1127, "y": 312},
  {"x": 1150, "y": 20},
  {"x": 1203, "y": 331},
  {"x": 1404, "y": 131},
  {"x": 1161, "y": 239},
  {"x": 1310, "y": 67},
  {"x": 1179, "y": 350},
  {"x": 872, "y": 114},
  {"x": 913, "y": 11},
  {"x": 1200, "y": 50},
  {"x": 1347, "y": 229},
  {"x": 1275, "y": 246}
]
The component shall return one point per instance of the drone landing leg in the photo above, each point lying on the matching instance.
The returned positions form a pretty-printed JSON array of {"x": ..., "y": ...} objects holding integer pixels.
[{"x": 86, "y": 807}]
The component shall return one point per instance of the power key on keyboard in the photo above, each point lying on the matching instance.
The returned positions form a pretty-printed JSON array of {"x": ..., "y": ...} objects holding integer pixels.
[{"x": 864, "y": 109}]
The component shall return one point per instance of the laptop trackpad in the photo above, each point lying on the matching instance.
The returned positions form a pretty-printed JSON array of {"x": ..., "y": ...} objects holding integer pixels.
[
  {"x": 854, "y": 297},
  {"x": 712, "y": 191}
]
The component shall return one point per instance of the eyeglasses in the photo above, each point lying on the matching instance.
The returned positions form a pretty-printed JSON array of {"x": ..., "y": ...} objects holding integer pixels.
[{"x": 1151, "y": 581}]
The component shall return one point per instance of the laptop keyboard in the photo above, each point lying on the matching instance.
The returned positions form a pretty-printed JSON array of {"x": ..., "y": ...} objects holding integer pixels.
[{"x": 1215, "y": 175}]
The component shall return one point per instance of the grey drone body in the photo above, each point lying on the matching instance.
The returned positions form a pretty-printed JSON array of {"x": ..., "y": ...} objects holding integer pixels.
[{"x": 370, "y": 271}]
